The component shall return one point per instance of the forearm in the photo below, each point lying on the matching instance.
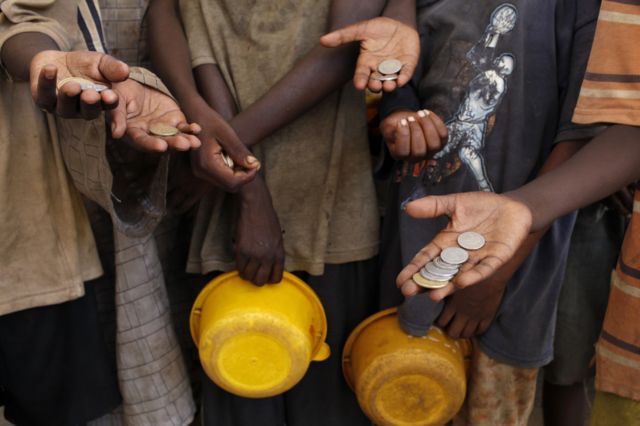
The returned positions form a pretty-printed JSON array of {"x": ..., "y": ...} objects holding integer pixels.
[
  {"x": 401, "y": 10},
  {"x": 610, "y": 161},
  {"x": 20, "y": 49},
  {"x": 321, "y": 72},
  {"x": 560, "y": 155},
  {"x": 169, "y": 51}
]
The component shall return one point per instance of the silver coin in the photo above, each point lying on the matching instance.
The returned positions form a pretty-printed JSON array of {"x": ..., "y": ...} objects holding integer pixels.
[
  {"x": 432, "y": 277},
  {"x": 227, "y": 160},
  {"x": 471, "y": 241},
  {"x": 454, "y": 255},
  {"x": 444, "y": 265},
  {"x": 381, "y": 77},
  {"x": 93, "y": 86},
  {"x": 439, "y": 272},
  {"x": 390, "y": 66}
]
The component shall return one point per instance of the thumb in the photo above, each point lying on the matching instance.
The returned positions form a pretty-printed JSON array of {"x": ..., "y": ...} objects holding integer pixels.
[
  {"x": 233, "y": 146},
  {"x": 432, "y": 206},
  {"x": 348, "y": 34},
  {"x": 112, "y": 70}
]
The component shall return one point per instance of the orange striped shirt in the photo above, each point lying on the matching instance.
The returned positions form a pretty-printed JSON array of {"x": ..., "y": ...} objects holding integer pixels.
[
  {"x": 611, "y": 94},
  {"x": 611, "y": 88}
]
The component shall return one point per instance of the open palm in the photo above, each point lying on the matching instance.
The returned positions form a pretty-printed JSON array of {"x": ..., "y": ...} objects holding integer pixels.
[
  {"x": 141, "y": 107},
  {"x": 380, "y": 39},
  {"x": 503, "y": 221}
]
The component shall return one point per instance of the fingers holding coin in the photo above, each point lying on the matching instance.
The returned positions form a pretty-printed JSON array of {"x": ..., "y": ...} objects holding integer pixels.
[{"x": 79, "y": 97}]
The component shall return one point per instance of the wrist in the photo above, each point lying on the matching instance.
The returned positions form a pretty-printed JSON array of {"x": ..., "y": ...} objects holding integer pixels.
[{"x": 255, "y": 192}]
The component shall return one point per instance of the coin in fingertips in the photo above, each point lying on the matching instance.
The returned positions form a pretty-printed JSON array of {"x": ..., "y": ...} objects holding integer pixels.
[
  {"x": 471, "y": 241},
  {"x": 427, "y": 283},
  {"x": 164, "y": 130},
  {"x": 380, "y": 77},
  {"x": 227, "y": 160},
  {"x": 84, "y": 84},
  {"x": 454, "y": 255},
  {"x": 389, "y": 66}
]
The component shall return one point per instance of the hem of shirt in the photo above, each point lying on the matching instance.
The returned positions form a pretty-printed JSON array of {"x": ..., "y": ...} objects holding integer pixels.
[
  {"x": 92, "y": 273},
  {"x": 514, "y": 361},
  {"x": 613, "y": 116},
  {"x": 579, "y": 133},
  {"x": 74, "y": 290},
  {"x": 203, "y": 60},
  {"x": 206, "y": 266},
  {"x": 620, "y": 389}
]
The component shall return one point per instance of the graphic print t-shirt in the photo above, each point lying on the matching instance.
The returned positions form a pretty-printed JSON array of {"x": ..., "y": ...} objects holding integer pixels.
[{"x": 504, "y": 76}]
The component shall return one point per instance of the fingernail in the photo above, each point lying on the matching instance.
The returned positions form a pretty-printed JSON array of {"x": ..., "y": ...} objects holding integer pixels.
[
  {"x": 427, "y": 112},
  {"x": 411, "y": 119},
  {"x": 422, "y": 114},
  {"x": 403, "y": 122},
  {"x": 251, "y": 159}
]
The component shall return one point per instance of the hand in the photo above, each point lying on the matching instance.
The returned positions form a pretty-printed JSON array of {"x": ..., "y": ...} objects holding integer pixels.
[
  {"x": 259, "y": 247},
  {"x": 412, "y": 135},
  {"x": 70, "y": 101},
  {"x": 622, "y": 201},
  {"x": 380, "y": 39},
  {"x": 139, "y": 108},
  {"x": 470, "y": 311},
  {"x": 207, "y": 162},
  {"x": 503, "y": 221}
]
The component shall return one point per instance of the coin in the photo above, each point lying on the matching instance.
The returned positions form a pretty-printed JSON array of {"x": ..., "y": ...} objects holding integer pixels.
[
  {"x": 381, "y": 77},
  {"x": 161, "y": 129},
  {"x": 454, "y": 255},
  {"x": 435, "y": 270},
  {"x": 444, "y": 265},
  {"x": 227, "y": 160},
  {"x": 389, "y": 66},
  {"x": 433, "y": 277},
  {"x": 84, "y": 84},
  {"x": 426, "y": 283},
  {"x": 471, "y": 241}
]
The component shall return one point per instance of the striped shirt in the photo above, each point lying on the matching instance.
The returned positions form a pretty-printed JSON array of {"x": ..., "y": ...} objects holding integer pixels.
[
  {"x": 611, "y": 94},
  {"x": 611, "y": 88}
]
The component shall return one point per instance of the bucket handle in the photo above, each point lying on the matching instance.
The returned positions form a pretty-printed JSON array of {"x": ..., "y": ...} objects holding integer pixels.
[{"x": 323, "y": 352}]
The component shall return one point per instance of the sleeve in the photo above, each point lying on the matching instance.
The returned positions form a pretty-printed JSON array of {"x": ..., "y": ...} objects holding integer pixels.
[
  {"x": 50, "y": 17},
  {"x": 611, "y": 88},
  {"x": 575, "y": 26},
  {"x": 195, "y": 28}
]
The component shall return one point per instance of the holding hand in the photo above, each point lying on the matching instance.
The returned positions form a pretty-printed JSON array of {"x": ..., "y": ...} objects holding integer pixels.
[
  {"x": 413, "y": 136},
  {"x": 70, "y": 101},
  {"x": 208, "y": 163},
  {"x": 380, "y": 39},
  {"x": 503, "y": 221}
]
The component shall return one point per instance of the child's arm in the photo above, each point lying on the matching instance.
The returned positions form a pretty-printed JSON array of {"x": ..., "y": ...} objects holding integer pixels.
[
  {"x": 170, "y": 56},
  {"x": 610, "y": 161},
  {"x": 321, "y": 72}
]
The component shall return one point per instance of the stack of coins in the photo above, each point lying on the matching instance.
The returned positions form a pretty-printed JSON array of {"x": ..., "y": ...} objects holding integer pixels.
[
  {"x": 388, "y": 70},
  {"x": 437, "y": 273}
]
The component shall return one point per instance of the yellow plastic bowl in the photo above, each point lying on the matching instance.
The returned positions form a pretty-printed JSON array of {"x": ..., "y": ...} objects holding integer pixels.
[
  {"x": 258, "y": 341},
  {"x": 402, "y": 380}
]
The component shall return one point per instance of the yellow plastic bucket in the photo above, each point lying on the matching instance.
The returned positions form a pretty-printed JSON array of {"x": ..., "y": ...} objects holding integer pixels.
[
  {"x": 254, "y": 341},
  {"x": 402, "y": 380}
]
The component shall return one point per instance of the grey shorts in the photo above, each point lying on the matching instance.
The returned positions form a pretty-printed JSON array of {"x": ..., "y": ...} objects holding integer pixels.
[{"x": 595, "y": 245}]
